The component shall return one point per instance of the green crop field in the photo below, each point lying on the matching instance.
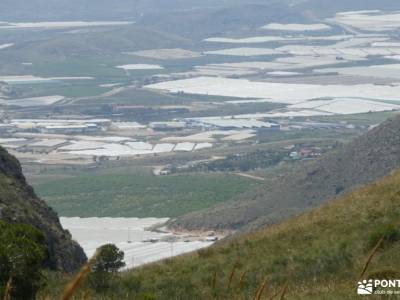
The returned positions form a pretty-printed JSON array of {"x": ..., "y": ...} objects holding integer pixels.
[{"x": 139, "y": 194}]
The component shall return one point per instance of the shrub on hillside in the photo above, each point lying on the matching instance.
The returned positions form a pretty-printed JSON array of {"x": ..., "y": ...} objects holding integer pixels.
[
  {"x": 22, "y": 252},
  {"x": 108, "y": 261}
]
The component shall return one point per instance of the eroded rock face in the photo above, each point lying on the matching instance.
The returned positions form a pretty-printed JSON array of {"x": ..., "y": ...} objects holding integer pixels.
[{"x": 19, "y": 204}]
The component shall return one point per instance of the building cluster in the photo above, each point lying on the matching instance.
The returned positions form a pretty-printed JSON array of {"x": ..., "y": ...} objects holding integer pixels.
[
  {"x": 55, "y": 126},
  {"x": 231, "y": 123},
  {"x": 99, "y": 138},
  {"x": 305, "y": 152}
]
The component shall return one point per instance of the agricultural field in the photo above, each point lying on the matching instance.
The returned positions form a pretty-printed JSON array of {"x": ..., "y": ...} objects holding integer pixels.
[
  {"x": 166, "y": 54},
  {"x": 35, "y": 101},
  {"x": 280, "y": 93},
  {"x": 373, "y": 20},
  {"x": 132, "y": 193},
  {"x": 140, "y": 67},
  {"x": 243, "y": 52},
  {"x": 58, "y": 25},
  {"x": 296, "y": 27}
]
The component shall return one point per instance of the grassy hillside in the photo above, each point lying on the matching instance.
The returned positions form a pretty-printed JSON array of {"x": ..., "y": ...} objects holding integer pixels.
[
  {"x": 138, "y": 193},
  {"x": 319, "y": 255}
]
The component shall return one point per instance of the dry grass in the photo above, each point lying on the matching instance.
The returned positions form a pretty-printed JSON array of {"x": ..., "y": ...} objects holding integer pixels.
[
  {"x": 232, "y": 274},
  {"x": 214, "y": 281},
  {"x": 7, "y": 292},
  {"x": 260, "y": 290},
  {"x": 371, "y": 256},
  {"x": 73, "y": 286},
  {"x": 284, "y": 291},
  {"x": 241, "y": 279}
]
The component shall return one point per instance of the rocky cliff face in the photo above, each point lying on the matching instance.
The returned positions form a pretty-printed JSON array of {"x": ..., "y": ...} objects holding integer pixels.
[
  {"x": 359, "y": 162},
  {"x": 19, "y": 204}
]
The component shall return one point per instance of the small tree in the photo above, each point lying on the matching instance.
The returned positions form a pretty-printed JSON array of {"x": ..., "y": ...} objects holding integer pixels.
[
  {"x": 108, "y": 261},
  {"x": 22, "y": 252}
]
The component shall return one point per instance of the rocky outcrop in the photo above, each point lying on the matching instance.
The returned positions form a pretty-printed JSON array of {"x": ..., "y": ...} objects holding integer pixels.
[{"x": 19, "y": 204}]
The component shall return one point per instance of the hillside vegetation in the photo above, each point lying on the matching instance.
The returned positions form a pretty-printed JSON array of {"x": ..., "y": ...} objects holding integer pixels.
[
  {"x": 359, "y": 162},
  {"x": 318, "y": 255}
]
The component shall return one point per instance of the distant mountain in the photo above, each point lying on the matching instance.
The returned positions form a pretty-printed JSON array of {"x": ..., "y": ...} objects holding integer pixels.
[
  {"x": 318, "y": 255},
  {"x": 359, "y": 162},
  {"x": 101, "y": 41},
  {"x": 62, "y": 10},
  {"x": 191, "y": 19},
  {"x": 19, "y": 204},
  {"x": 214, "y": 21}
]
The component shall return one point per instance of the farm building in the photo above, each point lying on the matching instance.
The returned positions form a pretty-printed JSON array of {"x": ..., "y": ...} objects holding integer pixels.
[
  {"x": 232, "y": 124},
  {"x": 73, "y": 128},
  {"x": 167, "y": 126}
]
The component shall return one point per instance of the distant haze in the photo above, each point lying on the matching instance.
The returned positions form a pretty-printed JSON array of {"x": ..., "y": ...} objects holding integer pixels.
[{"x": 61, "y": 10}]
